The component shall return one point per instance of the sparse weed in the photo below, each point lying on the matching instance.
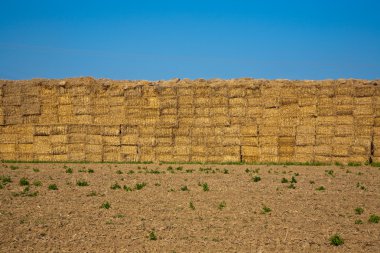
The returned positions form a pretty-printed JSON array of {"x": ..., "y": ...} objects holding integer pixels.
[
  {"x": 222, "y": 205},
  {"x": 127, "y": 188},
  {"x": 293, "y": 180},
  {"x": 5, "y": 179},
  {"x": 106, "y": 205},
  {"x": 92, "y": 194},
  {"x": 115, "y": 186},
  {"x": 256, "y": 179},
  {"x": 336, "y": 240},
  {"x": 130, "y": 172},
  {"x": 139, "y": 186},
  {"x": 225, "y": 171},
  {"x": 374, "y": 218},
  {"x": 36, "y": 170},
  {"x": 90, "y": 171},
  {"x": 292, "y": 186},
  {"x": 13, "y": 167},
  {"x": 361, "y": 186},
  {"x": 354, "y": 164},
  {"x": 358, "y": 221},
  {"x": 53, "y": 187},
  {"x": 205, "y": 187},
  {"x": 330, "y": 173},
  {"x": 311, "y": 182},
  {"x": 191, "y": 205},
  {"x": 82, "y": 182},
  {"x": 24, "y": 181},
  {"x": 152, "y": 236},
  {"x": 37, "y": 183},
  {"x": 359, "y": 210},
  {"x": 69, "y": 170},
  {"x": 284, "y": 180},
  {"x": 119, "y": 172},
  {"x": 321, "y": 188},
  {"x": 184, "y": 188},
  {"x": 266, "y": 209}
]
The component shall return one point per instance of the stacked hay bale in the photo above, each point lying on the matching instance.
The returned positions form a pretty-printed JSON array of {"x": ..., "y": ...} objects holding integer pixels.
[{"x": 243, "y": 120}]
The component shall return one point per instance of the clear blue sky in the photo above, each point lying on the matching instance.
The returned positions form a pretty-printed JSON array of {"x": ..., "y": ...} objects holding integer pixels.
[{"x": 294, "y": 39}]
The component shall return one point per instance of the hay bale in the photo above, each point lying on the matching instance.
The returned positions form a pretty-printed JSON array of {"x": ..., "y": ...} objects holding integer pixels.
[
  {"x": 31, "y": 109},
  {"x": 94, "y": 139},
  {"x": 365, "y": 109},
  {"x": 325, "y": 120},
  {"x": 8, "y": 156},
  {"x": 341, "y": 151},
  {"x": 344, "y": 130},
  {"x": 25, "y": 138},
  {"x": 268, "y": 130},
  {"x": 65, "y": 110},
  {"x": 323, "y": 150},
  {"x": 12, "y": 100},
  {"x": 59, "y": 149},
  {"x": 59, "y": 129},
  {"x": 250, "y": 151},
  {"x": 8, "y": 148},
  {"x": 182, "y": 140},
  {"x": 42, "y": 130},
  {"x": 111, "y": 130},
  {"x": 323, "y": 139},
  {"x": 129, "y": 139},
  {"x": 76, "y": 156},
  {"x": 344, "y": 109},
  {"x": 130, "y": 150},
  {"x": 202, "y": 121},
  {"x": 268, "y": 150},
  {"x": 182, "y": 151},
  {"x": 147, "y": 141},
  {"x": 305, "y": 140},
  {"x": 93, "y": 149},
  {"x": 13, "y": 120},
  {"x": 111, "y": 140},
  {"x": 342, "y": 140},
  {"x": 306, "y": 129},
  {"x": 249, "y": 141},
  {"x": 344, "y": 120}
]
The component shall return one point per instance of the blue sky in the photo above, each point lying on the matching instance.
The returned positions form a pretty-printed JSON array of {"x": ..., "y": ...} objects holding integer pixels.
[{"x": 294, "y": 39}]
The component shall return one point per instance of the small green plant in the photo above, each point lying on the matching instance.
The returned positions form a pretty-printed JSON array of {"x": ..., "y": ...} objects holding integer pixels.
[
  {"x": 321, "y": 188},
  {"x": 127, "y": 188},
  {"x": 119, "y": 172},
  {"x": 191, "y": 205},
  {"x": 179, "y": 168},
  {"x": 294, "y": 180},
  {"x": 374, "y": 218},
  {"x": 358, "y": 221},
  {"x": 225, "y": 171},
  {"x": 330, "y": 173},
  {"x": 361, "y": 186},
  {"x": 24, "y": 181},
  {"x": 222, "y": 205},
  {"x": 69, "y": 170},
  {"x": 152, "y": 236},
  {"x": 115, "y": 186},
  {"x": 284, "y": 180},
  {"x": 119, "y": 215},
  {"x": 82, "y": 182},
  {"x": 256, "y": 179},
  {"x": 53, "y": 187},
  {"x": 36, "y": 170},
  {"x": 6, "y": 179},
  {"x": 205, "y": 187},
  {"x": 13, "y": 167},
  {"x": 266, "y": 209},
  {"x": 336, "y": 240},
  {"x": 130, "y": 172},
  {"x": 37, "y": 183},
  {"x": 92, "y": 194},
  {"x": 184, "y": 188},
  {"x": 139, "y": 186},
  {"x": 292, "y": 186},
  {"x": 311, "y": 182},
  {"x": 359, "y": 210},
  {"x": 90, "y": 171},
  {"x": 157, "y": 184},
  {"x": 354, "y": 164},
  {"x": 106, "y": 205}
]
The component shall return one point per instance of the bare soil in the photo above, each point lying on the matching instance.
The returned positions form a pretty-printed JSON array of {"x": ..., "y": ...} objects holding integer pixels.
[{"x": 229, "y": 217}]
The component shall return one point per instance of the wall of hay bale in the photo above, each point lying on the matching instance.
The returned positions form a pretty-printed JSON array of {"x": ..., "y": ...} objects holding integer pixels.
[{"x": 245, "y": 120}]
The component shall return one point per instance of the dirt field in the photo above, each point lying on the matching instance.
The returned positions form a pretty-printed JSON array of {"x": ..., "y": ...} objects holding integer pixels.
[{"x": 188, "y": 208}]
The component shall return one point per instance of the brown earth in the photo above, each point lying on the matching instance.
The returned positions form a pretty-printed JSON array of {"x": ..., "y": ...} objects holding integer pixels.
[{"x": 301, "y": 220}]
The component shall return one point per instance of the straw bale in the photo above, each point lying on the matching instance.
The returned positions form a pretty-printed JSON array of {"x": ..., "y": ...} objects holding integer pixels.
[
  {"x": 111, "y": 140},
  {"x": 25, "y": 157},
  {"x": 64, "y": 99},
  {"x": 363, "y": 101},
  {"x": 100, "y": 110},
  {"x": 8, "y": 156},
  {"x": 289, "y": 110},
  {"x": 65, "y": 110},
  {"x": 202, "y": 102},
  {"x": 147, "y": 158},
  {"x": 306, "y": 130},
  {"x": 128, "y": 158},
  {"x": 271, "y": 113},
  {"x": 249, "y": 151},
  {"x": 364, "y": 121},
  {"x": 182, "y": 130},
  {"x": 325, "y": 130},
  {"x": 93, "y": 149},
  {"x": 129, "y": 139},
  {"x": 304, "y": 140},
  {"x": 12, "y": 100},
  {"x": 59, "y": 139},
  {"x": 363, "y": 110},
  {"x": 249, "y": 141},
  {"x": 147, "y": 141},
  {"x": 184, "y": 91},
  {"x": 360, "y": 150},
  {"x": 250, "y": 159},
  {"x": 341, "y": 150},
  {"x": 168, "y": 102},
  {"x": 218, "y": 101},
  {"x": 254, "y": 111},
  {"x": 198, "y": 150},
  {"x": 286, "y": 150},
  {"x": 286, "y": 141},
  {"x": 326, "y": 110},
  {"x": 344, "y": 130},
  {"x": 82, "y": 110},
  {"x": 8, "y": 148},
  {"x": 321, "y": 140},
  {"x": 185, "y": 101},
  {"x": 31, "y": 109},
  {"x": 248, "y": 130},
  {"x": 309, "y": 150},
  {"x": 323, "y": 150},
  {"x": 237, "y": 111},
  {"x": 344, "y": 109},
  {"x": 131, "y": 92},
  {"x": 8, "y": 138},
  {"x": 325, "y": 120},
  {"x": 162, "y": 132},
  {"x": 182, "y": 150},
  {"x": 43, "y": 157},
  {"x": 167, "y": 91},
  {"x": 202, "y": 111},
  {"x": 164, "y": 111},
  {"x": 117, "y": 111},
  {"x": 376, "y": 131},
  {"x": 32, "y": 119},
  {"x": 168, "y": 121},
  {"x": 268, "y": 140},
  {"x": 116, "y": 101},
  {"x": 76, "y": 156},
  {"x": 108, "y": 120},
  {"x": 13, "y": 120},
  {"x": 269, "y": 150},
  {"x": 343, "y": 100},
  {"x": 307, "y": 101},
  {"x": 132, "y": 150},
  {"x": 42, "y": 130},
  {"x": 164, "y": 157},
  {"x": 267, "y": 158},
  {"x": 11, "y": 110},
  {"x": 42, "y": 145},
  {"x": 344, "y": 89},
  {"x": 166, "y": 141},
  {"x": 285, "y": 158},
  {"x": 203, "y": 121},
  {"x": 127, "y": 129},
  {"x": 364, "y": 91},
  {"x": 363, "y": 130},
  {"x": 307, "y": 111},
  {"x": 236, "y": 92},
  {"x": 287, "y": 131},
  {"x": 363, "y": 141},
  {"x": 220, "y": 121},
  {"x": 186, "y": 111},
  {"x": 59, "y": 129},
  {"x": 323, "y": 159},
  {"x": 288, "y": 100},
  {"x": 182, "y": 140},
  {"x": 25, "y": 138},
  {"x": 268, "y": 130},
  {"x": 230, "y": 141},
  {"x": 237, "y": 102},
  {"x": 11, "y": 89},
  {"x": 136, "y": 102},
  {"x": 58, "y": 149},
  {"x": 111, "y": 130},
  {"x": 202, "y": 131}
]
